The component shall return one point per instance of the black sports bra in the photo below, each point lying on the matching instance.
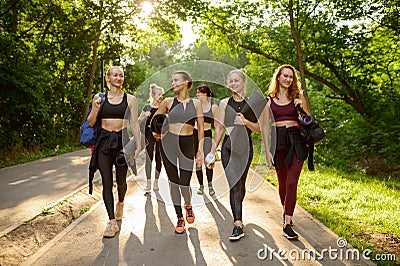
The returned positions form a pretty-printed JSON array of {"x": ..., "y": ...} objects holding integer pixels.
[
  {"x": 116, "y": 110},
  {"x": 208, "y": 116},
  {"x": 179, "y": 115}
]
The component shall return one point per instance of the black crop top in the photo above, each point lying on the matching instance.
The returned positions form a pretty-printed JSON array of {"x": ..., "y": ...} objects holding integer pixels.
[
  {"x": 116, "y": 110},
  {"x": 152, "y": 110},
  {"x": 234, "y": 107},
  {"x": 179, "y": 115},
  {"x": 208, "y": 116}
]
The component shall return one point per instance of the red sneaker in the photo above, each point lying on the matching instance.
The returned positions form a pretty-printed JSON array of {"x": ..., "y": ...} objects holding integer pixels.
[
  {"x": 180, "y": 226},
  {"x": 189, "y": 214}
]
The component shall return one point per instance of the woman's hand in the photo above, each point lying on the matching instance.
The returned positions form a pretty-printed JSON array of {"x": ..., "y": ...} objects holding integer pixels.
[
  {"x": 199, "y": 158},
  {"x": 137, "y": 152},
  {"x": 240, "y": 119},
  {"x": 298, "y": 102},
  {"x": 269, "y": 158}
]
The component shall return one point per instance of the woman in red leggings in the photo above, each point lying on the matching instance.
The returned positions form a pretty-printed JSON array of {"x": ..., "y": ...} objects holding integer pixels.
[{"x": 288, "y": 150}]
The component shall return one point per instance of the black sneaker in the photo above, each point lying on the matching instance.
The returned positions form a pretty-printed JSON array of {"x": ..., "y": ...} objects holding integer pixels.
[
  {"x": 289, "y": 233},
  {"x": 237, "y": 233}
]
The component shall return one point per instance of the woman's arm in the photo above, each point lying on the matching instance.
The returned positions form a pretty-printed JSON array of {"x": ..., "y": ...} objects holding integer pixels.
[
  {"x": 265, "y": 132},
  {"x": 96, "y": 103},
  {"x": 214, "y": 111},
  {"x": 200, "y": 130},
  {"x": 219, "y": 125},
  {"x": 143, "y": 116},
  {"x": 302, "y": 102},
  {"x": 133, "y": 106},
  {"x": 241, "y": 120}
]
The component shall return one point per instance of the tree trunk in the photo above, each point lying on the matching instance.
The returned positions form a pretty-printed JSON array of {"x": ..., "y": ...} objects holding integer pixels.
[
  {"x": 91, "y": 78},
  {"x": 296, "y": 39}
]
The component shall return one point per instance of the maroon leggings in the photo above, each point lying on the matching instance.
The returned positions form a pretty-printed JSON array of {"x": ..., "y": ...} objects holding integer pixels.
[{"x": 288, "y": 177}]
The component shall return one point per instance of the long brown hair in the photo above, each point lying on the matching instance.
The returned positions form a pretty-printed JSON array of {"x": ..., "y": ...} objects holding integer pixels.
[{"x": 294, "y": 89}]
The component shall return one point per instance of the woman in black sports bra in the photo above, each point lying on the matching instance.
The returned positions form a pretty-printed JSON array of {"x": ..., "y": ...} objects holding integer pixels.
[
  {"x": 177, "y": 143},
  {"x": 117, "y": 111},
  {"x": 210, "y": 111},
  {"x": 237, "y": 148},
  {"x": 153, "y": 149}
]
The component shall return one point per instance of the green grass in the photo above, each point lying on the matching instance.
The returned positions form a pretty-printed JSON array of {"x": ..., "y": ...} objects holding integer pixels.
[
  {"x": 350, "y": 202},
  {"x": 32, "y": 156},
  {"x": 363, "y": 209},
  {"x": 84, "y": 210},
  {"x": 355, "y": 206}
]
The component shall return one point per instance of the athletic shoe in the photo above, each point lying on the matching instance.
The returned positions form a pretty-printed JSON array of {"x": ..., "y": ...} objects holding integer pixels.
[
  {"x": 112, "y": 229},
  {"x": 289, "y": 233},
  {"x": 237, "y": 233},
  {"x": 147, "y": 189},
  {"x": 189, "y": 214},
  {"x": 180, "y": 226},
  {"x": 211, "y": 191},
  {"x": 119, "y": 211},
  {"x": 201, "y": 190}
]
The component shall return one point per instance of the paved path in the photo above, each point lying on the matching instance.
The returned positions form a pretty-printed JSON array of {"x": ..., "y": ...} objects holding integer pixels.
[
  {"x": 27, "y": 189},
  {"x": 147, "y": 237}
]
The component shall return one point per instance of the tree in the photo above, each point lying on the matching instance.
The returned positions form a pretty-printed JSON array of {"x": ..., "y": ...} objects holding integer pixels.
[{"x": 316, "y": 34}]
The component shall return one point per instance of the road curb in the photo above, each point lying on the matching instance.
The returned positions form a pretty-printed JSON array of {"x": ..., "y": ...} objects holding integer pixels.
[{"x": 71, "y": 226}]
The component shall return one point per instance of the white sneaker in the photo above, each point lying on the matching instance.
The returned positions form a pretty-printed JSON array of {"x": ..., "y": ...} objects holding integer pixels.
[{"x": 112, "y": 229}]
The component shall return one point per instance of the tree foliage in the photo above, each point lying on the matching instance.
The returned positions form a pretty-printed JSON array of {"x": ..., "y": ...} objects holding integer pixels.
[
  {"x": 50, "y": 64},
  {"x": 349, "y": 51}
]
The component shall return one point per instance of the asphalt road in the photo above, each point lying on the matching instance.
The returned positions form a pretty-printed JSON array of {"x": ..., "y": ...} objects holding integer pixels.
[{"x": 27, "y": 189}]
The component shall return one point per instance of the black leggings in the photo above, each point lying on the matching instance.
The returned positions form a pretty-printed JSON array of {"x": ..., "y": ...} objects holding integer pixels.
[
  {"x": 105, "y": 163},
  {"x": 236, "y": 167},
  {"x": 206, "y": 149},
  {"x": 151, "y": 145},
  {"x": 178, "y": 150}
]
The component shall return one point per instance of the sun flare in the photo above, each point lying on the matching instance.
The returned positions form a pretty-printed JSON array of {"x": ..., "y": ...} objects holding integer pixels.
[{"x": 147, "y": 8}]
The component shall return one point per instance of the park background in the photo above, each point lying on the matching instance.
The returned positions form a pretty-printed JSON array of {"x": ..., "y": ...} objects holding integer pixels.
[{"x": 54, "y": 54}]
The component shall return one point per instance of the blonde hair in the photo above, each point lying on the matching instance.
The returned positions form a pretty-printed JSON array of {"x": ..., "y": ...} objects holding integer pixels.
[
  {"x": 294, "y": 89},
  {"x": 112, "y": 68},
  {"x": 153, "y": 88},
  {"x": 241, "y": 73}
]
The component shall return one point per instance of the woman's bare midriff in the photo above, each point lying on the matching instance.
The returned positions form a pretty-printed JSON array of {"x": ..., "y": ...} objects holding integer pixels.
[
  {"x": 114, "y": 124},
  {"x": 181, "y": 129},
  {"x": 207, "y": 126},
  {"x": 285, "y": 123}
]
